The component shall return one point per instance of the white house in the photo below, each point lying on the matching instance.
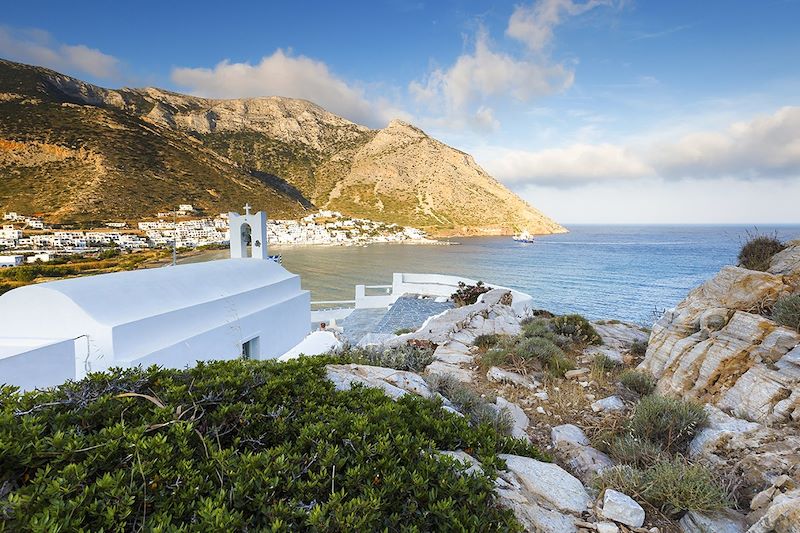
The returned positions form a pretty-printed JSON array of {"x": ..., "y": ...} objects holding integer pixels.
[
  {"x": 7, "y": 261},
  {"x": 174, "y": 316}
]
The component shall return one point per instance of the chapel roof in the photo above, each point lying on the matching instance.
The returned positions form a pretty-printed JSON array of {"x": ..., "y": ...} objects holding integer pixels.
[{"x": 123, "y": 297}]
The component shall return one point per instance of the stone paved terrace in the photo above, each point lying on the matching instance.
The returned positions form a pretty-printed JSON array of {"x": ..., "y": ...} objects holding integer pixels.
[{"x": 408, "y": 311}]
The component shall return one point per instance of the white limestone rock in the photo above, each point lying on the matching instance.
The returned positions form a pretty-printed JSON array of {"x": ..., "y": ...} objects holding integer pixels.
[
  {"x": 518, "y": 418},
  {"x": 607, "y": 527},
  {"x": 572, "y": 445},
  {"x": 395, "y": 383},
  {"x": 568, "y": 435},
  {"x": 782, "y": 516},
  {"x": 622, "y": 508},
  {"x": 578, "y": 372},
  {"x": 549, "y": 483},
  {"x": 498, "y": 375},
  {"x": 439, "y": 368},
  {"x": 612, "y": 403},
  {"x": 787, "y": 261},
  {"x": 619, "y": 336},
  {"x": 720, "y": 425},
  {"x": 453, "y": 353},
  {"x": 611, "y": 353},
  {"x": 724, "y": 522}
]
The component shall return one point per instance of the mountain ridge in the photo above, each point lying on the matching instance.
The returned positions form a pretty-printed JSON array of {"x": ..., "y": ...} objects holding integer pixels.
[{"x": 128, "y": 153}]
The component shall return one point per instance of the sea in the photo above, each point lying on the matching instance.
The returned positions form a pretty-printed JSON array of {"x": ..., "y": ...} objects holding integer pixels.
[{"x": 630, "y": 273}]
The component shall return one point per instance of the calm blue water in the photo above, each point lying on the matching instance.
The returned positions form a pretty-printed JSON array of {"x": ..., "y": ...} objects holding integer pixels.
[{"x": 623, "y": 272}]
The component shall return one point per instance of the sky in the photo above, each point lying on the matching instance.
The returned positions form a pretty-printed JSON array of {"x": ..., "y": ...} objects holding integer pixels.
[{"x": 594, "y": 111}]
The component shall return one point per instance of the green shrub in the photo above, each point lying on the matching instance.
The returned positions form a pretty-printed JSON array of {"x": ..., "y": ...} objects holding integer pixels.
[
  {"x": 672, "y": 486},
  {"x": 498, "y": 356},
  {"x": 404, "y": 357},
  {"x": 240, "y": 446},
  {"x": 577, "y": 328},
  {"x": 635, "y": 451},
  {"x": 537, "y": 327},
  {"x": 477, "y": 409},
  {"x": 468, "y": 294},
  {"x": 403, "y": 331},
  {"x": 757, "y": 251},
  {"x": 677, "y": 486},
  {"x": 639, "y": 348},
  {"x": 605, "y": 363},
  {"x": 551, "y": 356},
  {"x": 638, "y": 381},
  {"x": 786, "y": 311},
  {"x": 668, "y": 422},
  {"x": 538, "y": 348},
  {"x": 489, "y": 340},
  {"x": 560, "y": 364}
]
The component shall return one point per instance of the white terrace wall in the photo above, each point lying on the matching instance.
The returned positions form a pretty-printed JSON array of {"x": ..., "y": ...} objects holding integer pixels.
[{"x": 444, "y": 285}]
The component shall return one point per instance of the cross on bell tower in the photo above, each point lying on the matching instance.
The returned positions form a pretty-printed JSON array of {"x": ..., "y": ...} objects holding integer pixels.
[{"x": 250, "y": 228}]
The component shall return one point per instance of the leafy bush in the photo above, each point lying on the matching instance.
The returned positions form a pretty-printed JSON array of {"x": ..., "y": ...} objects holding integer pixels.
[
  {"x": 668, "y": 422},
  {"x": 638, "y": 381},
  {"x": 786, "y": 311},
  {"x": 639, "y": 348},
  {"x": 673, "y": 486},
  {"x": 412, "y": 358},
  {"x": 239, "y": 445},
  {"x": 468, "y": 294},
  {"x": 635, "y": 451},
  {"x": 403, "y": 331},
  {"x": 757, "y": 252},
  {"x": 577, "y": 328}
]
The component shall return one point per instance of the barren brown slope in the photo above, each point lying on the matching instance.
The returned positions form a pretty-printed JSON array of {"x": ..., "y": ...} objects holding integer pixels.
[{"x": 78, "y": 161}]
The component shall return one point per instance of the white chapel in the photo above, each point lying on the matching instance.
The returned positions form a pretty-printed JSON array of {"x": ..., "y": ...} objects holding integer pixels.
[{"x": 246, "y": 306}]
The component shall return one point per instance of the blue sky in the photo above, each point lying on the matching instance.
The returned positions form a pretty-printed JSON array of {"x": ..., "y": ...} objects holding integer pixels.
[{"x": 593, "y": 110}]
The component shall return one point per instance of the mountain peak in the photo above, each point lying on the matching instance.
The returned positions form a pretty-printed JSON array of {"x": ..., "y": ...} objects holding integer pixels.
[{"x": 129, "y": 153}]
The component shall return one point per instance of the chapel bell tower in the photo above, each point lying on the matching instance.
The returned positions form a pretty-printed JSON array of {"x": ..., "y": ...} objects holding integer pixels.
[{"x": 248, "y": 229}]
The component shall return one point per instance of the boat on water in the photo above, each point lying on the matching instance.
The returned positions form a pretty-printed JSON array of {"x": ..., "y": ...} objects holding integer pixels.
[{"x": 523, "y": 237}]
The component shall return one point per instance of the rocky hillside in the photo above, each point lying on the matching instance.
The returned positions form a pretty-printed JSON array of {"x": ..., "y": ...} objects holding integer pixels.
[{"x": 81, "y": 151}]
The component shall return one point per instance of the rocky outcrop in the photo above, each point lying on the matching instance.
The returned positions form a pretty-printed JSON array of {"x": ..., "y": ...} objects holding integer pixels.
[
  {"x": 572, "y": 445},
  {"x": 454, "y": 331},
  {"x": 720, "y": 347}
]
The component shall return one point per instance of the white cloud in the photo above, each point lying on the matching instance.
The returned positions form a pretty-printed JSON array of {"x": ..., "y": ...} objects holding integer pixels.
[
  {"x": 460, "y": 94},
  {"x": 533, "y": 24},
  {"x": 764, "y": 147},
  {"x": 577, "y": 163},
  {"x": 38, "y": 47},
  {"x": 658, "y": 201},
  {"x": 282, "y": 74}
]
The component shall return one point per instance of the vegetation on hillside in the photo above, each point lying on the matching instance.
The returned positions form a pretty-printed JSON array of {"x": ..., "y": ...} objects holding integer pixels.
[
  {"x": 77, "y": 265},
  {"x": 758, "y": 250},
  {"x": 786, "y": 311},
  {"x": 241, "y": 445}
]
